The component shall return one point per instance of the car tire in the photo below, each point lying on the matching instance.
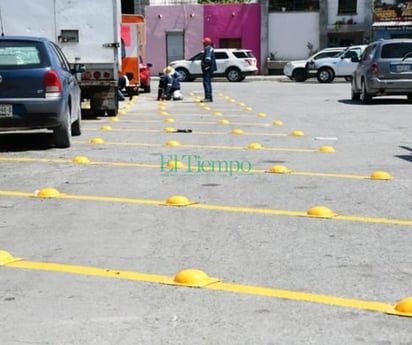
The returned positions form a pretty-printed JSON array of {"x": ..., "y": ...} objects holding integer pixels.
[
  {"x": 355, "y": 96},
  {"x": 185, "y": 75},
  {"x": 77, "y": 125},
  {"x": 233, "y": 74},
  {"x": 365, "y": 97},
  {"x": 300, "y": 75},
  {"x": 62, "y": 133},
  {"x": 325, "y": 75}
]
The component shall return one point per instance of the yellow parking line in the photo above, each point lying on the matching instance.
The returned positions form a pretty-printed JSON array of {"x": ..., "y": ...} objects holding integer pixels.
[
  {"x": 217, "y": 286},
  {"x": 193, "y": 133},
  {"x": 255, "y": 210},
  {"x": 158, "y": 166},
  {"x": 222, "y": 147}
]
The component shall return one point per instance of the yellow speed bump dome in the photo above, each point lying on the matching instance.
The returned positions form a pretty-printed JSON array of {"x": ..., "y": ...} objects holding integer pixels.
[
  {"x": 238, "y": 131},
  {"x": 114, "y": 119},
  {"x": 122, "y": 112},
  {"x": 175, "y": 164},
  {"x": 164, "y": 113},
  {"x": 320, "y": 212},
  {"x": 173, "y": 143},
  {"x": 97, "y": 141},
  {"x": 248, "y": 108},
  {"x": 179, "y": 200},
  {"x": 404, "y": 307},
  {"x": 81, "y": 160},
  {"x": 327, "y": 149},
  {"x": 277, "y": 123},
  {"x": 224, "y": 122},
  {"x": 6, "y": 258},
  {"x": 169, "y": 120},
  {"x": 217, "y": 113},
  {"x": 193, "y": 278},
  {"x": 106, "y": 128},
  {"x": 255, "y": 146},
  {"x": 261, "y": 115},
  {"x": 380, "y": 175},
  {"x": 297, "y": 134},
  {"x": 48, "y": 193},
  {"x": 170, "y": 130},
  {"x": 279, "y": 169}
]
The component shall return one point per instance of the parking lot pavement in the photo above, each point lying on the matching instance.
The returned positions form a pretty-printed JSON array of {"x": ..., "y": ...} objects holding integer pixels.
[{"x": 278, "y": 214}]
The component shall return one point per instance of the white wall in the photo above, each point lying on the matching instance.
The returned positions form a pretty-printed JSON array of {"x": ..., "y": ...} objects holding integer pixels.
[
  {"x": 290, "y": 33},
  {"x": 333, "y": 12}
]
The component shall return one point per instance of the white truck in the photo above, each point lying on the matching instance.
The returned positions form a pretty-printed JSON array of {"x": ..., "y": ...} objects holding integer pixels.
[{"x": 88, "y": 32}]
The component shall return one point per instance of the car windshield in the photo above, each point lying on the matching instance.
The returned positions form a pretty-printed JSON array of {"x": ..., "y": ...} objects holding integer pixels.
[{"x": 20, "y": 55}]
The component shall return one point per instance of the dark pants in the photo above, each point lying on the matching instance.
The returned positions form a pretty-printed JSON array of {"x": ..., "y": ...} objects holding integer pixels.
[{"x": 207, "y": 84}]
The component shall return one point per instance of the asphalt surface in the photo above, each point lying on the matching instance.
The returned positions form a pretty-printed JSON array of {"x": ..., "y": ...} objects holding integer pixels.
[{"x": 97, "y": 252}]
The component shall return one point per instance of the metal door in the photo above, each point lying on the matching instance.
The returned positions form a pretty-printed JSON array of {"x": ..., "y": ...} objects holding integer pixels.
[{"x": 175, "y": 45}]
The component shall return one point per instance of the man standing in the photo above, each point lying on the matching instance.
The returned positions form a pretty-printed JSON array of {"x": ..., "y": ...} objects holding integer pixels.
[{"x": 208, "y": 67}]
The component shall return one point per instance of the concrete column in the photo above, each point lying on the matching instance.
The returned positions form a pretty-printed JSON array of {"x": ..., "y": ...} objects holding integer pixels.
[{"x": 264, "y": 35}]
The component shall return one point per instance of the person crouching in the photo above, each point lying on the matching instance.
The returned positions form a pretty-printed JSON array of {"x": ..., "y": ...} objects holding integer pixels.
[{"x": 172, "y": 80}]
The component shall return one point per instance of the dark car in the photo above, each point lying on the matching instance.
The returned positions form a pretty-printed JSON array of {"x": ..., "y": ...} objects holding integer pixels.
[
  {"x": 38, "y": 89},
  {"x": 385, "y": 68}
]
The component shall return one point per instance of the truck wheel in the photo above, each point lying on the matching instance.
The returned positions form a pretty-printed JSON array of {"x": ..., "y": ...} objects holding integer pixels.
[
  {"x": 325, "y": 75},
  {"x": 300, "y": 75},
  {"x": 62, "y": 133}
]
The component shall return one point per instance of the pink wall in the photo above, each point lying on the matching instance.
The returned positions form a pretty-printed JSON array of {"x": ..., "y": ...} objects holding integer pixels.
[
  {"x": 215, "y": 21},
  {"x": 181, "y": 17},
  {"x": 234, "y": 21}
]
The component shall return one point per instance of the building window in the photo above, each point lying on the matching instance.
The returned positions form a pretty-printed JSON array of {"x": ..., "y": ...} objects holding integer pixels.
[
  {"x": 293, "y": 5},
  {"x": 347, "y": 7}
]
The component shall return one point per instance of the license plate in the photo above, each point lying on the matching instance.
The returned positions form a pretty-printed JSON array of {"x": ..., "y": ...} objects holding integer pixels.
[
  {"x": 6, "y": 110},
  {"x": 403, "y": 68}
]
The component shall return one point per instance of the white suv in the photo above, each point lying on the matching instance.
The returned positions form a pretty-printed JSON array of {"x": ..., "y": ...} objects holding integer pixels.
[
  {"x": 339, "y": 66},
  {"x": 300, "y": 70},
  {"x": 234, "y": 64}
]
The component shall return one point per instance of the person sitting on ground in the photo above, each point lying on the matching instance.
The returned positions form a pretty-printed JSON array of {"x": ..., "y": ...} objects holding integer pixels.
[{"x": 172, "y": 80}]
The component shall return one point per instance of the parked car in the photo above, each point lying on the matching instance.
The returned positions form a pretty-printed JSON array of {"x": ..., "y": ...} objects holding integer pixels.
[
  {"x": 145, "y": 76},
  {"x": 38, "y": 88},
  {"x": 300, "y": 70},
  {"x": 385, "y": 68},
  {"x": 234, "y": 64},
  {"x": 338, "y": 66}
]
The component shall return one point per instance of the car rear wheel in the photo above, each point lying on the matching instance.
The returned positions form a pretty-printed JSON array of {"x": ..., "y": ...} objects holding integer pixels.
[
  {"x": 76, "y": 125},
  {"x": 185, "y": 75},
  {"x": 365, "y": 97},
  {"x": 233, "y": 74},
  {"x": 300, "y": 75},
  {"x": 354, "y": 94},
  {"x": 325, "y": 75},
  {"x": 62, "y": 133}
]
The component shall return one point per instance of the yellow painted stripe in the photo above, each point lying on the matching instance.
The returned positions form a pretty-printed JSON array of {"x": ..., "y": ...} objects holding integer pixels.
[
  {"x": 158, "y": 166},
  {"x": 218, "y": 286},
  {"x": 193, "y": 133},
  {"x": 200, "y": 146},
  {"x": 255, "y": 210}
]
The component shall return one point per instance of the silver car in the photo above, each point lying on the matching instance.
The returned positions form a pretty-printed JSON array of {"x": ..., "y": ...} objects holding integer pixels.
[{"x": 385, "y": 68}]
